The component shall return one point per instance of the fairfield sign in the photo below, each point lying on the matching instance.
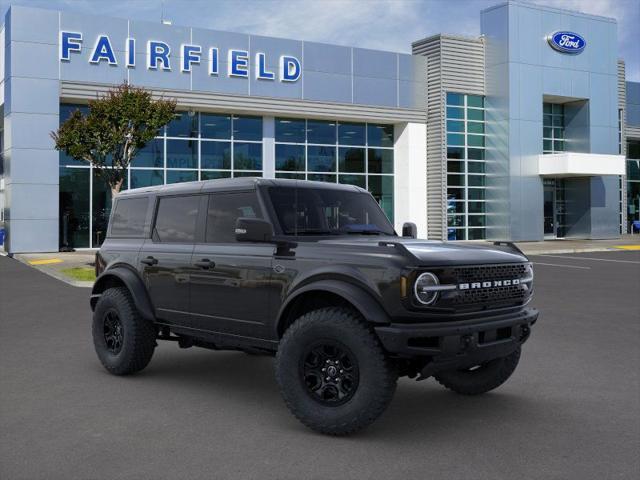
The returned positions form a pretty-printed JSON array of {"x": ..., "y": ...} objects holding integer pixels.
[{"x": 159, "y": 56}]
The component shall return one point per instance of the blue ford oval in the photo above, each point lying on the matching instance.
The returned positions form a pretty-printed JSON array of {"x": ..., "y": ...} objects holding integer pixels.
[{"x": 567, "y": 42}]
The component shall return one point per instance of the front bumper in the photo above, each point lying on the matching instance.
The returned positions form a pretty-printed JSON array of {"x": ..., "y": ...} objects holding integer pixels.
[{"x": 452, "y": 345}]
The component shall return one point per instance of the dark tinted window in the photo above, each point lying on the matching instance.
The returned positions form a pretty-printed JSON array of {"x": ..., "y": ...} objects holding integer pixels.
[
  {"x": 176, "y": 219},
  {"x": 320, "y": 211},
  {"x": 224, "y": 210},
  {"x": 128, "y": 217}
]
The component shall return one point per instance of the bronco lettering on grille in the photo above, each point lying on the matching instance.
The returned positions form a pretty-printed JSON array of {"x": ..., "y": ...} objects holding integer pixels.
[{"x": 488, "y": 284}]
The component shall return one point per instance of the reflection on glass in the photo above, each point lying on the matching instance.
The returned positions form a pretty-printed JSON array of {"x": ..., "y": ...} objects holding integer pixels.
[
  {"x": 205, "y": 175},
  {"x": 177, "y": 176},
  {"x": 215, "y": 126},
  {"x": 351, "y": 133},
  {"x": 321, "y": 178},
  {"x": 351, "y": 160},
  {"x": 151, "y": 155},
  {"x": 379, "y": 135},
  {"x": 182, "y": 154},
  {"x": 101, "y": 207},
  {"x": 290, "y": 130},
  {"x": 321, "y": 159},
  {"x": 247, "y": 127},
  {"x": 184, "y": 124},
  {"x": 215, "y": 155},
  {"x": 320, "y": 131},
  {"x": 380, "y": 161},
  {"x": 146, "y": 178},
  {"x": 74, "y": 207},
  {"x": 357, "y": 180},
  {"x": 247, "y": 156},
  {"x": 381, "y": 187},
  {"x": 290, "y": 157}
]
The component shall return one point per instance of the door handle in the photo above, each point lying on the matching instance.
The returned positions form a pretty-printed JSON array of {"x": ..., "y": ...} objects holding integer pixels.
[
  {"x": 149, "y": 261},
  {"x": 205, "y": 263}
]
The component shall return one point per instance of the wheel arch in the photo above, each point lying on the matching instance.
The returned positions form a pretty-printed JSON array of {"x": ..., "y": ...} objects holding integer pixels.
[
  {"x": 121, "y": 276},
  {"x": 326, "y": 293}
]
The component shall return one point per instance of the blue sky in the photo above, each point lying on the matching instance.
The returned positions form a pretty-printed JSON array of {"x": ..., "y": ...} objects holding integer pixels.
[{"x": 380, "y": 24}]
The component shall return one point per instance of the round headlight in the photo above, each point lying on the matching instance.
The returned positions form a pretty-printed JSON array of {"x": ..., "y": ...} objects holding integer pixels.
[{"x": 424, "y": 290}]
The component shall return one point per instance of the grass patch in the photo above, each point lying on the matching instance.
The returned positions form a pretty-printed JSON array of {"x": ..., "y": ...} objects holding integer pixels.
[{"x": 81, "y": 274}]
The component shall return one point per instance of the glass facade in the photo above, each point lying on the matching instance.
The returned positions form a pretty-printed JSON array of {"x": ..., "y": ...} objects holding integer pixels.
[
  {"x": 193, "y": 146},
  {"x": 552, "y": 128},
  {"x": 345, "y": 152},
  {"x": 633, "y": 182},
  {"x": 465, "y": 130}
]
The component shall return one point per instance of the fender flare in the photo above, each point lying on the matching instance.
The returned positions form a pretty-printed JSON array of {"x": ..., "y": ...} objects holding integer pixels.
[
  {"x": 134, "y": 284},
  {"x": 357, "y": 296}
]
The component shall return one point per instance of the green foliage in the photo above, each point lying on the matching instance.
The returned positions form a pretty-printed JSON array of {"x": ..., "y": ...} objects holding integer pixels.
[
  {"x": 117, "y": 126},
  {"x": 83, "y": 274}
]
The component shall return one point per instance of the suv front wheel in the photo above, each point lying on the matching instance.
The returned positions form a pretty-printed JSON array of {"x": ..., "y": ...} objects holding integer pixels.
[
  {"x": 124, "y": 341},
  {"x": 332, "y": 372}
]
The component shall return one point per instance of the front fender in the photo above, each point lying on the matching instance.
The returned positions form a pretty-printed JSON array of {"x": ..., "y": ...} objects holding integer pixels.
[{"x": 134, "y": 284}]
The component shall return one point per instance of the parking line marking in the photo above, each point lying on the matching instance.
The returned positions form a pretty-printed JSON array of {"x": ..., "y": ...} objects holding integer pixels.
[
  {"x": 628, "y": 247},
  {"x": 47, "y": 261},
  {"x": 590, "y": 258},
  {"x": 559, "y": 265}
]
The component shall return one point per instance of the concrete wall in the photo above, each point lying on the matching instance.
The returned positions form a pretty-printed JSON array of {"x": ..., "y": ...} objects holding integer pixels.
[{"x": 521, "y": 69}]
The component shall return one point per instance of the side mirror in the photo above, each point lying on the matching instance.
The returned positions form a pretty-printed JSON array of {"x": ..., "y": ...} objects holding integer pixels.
[
  {"x": 409, "y": 230},
  {"x": 253, "y": 230}
]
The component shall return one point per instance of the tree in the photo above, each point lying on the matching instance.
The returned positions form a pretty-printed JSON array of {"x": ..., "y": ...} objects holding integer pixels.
[{"x": 117, "y": 126}]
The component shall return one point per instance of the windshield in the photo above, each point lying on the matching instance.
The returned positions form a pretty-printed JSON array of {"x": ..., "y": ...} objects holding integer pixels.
[{"x": 320, "y": 211}]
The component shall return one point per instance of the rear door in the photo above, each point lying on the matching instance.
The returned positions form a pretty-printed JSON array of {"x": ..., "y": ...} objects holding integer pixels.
[
  {"x": 231, "y": 286},
  {"x": 165, "y": 259}
]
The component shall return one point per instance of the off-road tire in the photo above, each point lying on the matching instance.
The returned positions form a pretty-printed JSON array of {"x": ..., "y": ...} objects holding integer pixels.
[
  {"x": 138, "y": 335},
  {"x": 483, "y": 379},
  {"x": 376, "y": 375}
]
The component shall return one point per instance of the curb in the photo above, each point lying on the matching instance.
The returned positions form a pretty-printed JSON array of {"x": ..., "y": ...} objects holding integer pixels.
[
  {"x": 572, "y": 250},
  {"x": 56, "y": 275}
]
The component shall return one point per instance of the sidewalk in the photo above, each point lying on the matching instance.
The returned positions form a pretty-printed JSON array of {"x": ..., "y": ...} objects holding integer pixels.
[
  {"x": 626, "y": 242},
  {"x": 65, "y": 266}
]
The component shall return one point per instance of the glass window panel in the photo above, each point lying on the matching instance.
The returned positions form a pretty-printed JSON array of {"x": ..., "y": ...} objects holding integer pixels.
[
  {"x": 351, "y": 133},
  {"x": 455, "y": 167},
  {"x": 380, "y": 135},
  {"x": 633, "y": 149},
  {"x": 455, "y": 113},
  {"x": 182, "y": 154},
  {"x": 238, "y": 174},
  {"x": 475, "y": 154},
  {"x": 455, "y": 221},
  {"x": 455, "y": 152},
  {"x": 476, "y": 180},
  {"x": 223, "y": 212},
  {"x": 477, "y": 115},
  {"x": 546, "y": 108},
  {"x": 380, "y": 161},
  {"x": 357, "y": 180},
  {"x": 476, "y": 167},
  {"x": 455, "y": 98},
  {"x": 547, "y": 132},
  {"x": 477, "y": 220},
  {"x": 633, "y": 170},
  {"x": 129, "y": 217},
  {"x": 247, "y": 128},
  {"x": 290, "y": 130},
  {"x": 205, "y": 175},
  {"x": 476, "y": 207},
  {"x": 455, "y": 139},
  {"x": 455, "y": 207},
  {"x": 547, "y": 145},
  {"x": 293, "y": 176},
  {"x": 456, "y": 234},
  {"x": 176, "y": 219},
  {"x": 381, "y": 187},
  {"x": 455, "y": 193},
  {"x": 455, "y": 126},
  {"x": 476, "y": 193},
  {"x": 215, "y": 126},
  {"x": 476, "y": 234},
  {"x": 321, "y": 159},
  {"x": 558, "y": 133},
  {"x": 351, "y": 160},
  {"x": 320, "y": 131},
  {"x": 74, "y": 207},
  {"x": 290, "y": 157},
  {"x": 321, "y": 178},
  {"x": 178, "y": 176},
  {"x": 184, "y": 124},
  {"x": 558, "y": 121},
  {"x": 475, "y": 127},
  {"x": 146, "y": 178},
  {"x": 67, "y": 160},
  {"x": 101, "y": 200},
  {"x": 247, "y": 156},
  {"x": 475, "y": 101},
  {"x": 475, "y": 140},
  {"x": 151, "y": 155},
  {"x": 547, "y": 120},
  {"x": 558, "y": 145},
  {"x": 557, "y": 108},
  {"x": 455, "y": 180},
  {"x": 66, "y": 109},
  {"x": 215, "y": 155}
]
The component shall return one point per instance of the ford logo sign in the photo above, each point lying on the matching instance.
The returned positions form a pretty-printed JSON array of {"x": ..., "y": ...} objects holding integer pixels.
[{"x": 567, "y": 42}]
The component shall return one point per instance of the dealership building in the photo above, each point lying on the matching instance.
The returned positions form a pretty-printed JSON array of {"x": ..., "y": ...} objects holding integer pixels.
[{"x": 527, "y": 132}]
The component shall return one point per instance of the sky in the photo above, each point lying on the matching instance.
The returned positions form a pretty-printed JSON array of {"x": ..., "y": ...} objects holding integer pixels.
[{"x": 378, "y": 24}]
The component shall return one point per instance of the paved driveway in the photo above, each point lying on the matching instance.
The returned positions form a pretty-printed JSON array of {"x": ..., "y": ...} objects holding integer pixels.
[{"x": 572, "y": 409}]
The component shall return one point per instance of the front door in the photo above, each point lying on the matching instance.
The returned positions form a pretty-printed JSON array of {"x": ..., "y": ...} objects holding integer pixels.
[
  {"x": 555, "y": 207},
  {"x": 165, "y": 260},
  {"x": 231, "y": 284}
]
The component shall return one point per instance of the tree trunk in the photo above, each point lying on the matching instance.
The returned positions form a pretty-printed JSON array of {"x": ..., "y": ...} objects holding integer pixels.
[{"x": 115, "y": 188}]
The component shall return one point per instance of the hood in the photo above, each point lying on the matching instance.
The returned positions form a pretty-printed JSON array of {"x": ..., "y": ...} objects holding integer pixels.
[{"x": 430, "y": 252}]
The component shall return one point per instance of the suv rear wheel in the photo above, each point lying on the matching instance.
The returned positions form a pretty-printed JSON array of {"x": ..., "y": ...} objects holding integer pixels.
[
  {"x": 481, "y": 378},
  {"x": 124, "y": 341},
  {"x": 332, "y": 372}
]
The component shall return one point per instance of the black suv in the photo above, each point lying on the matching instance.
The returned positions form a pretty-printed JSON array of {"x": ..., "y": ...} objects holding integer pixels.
[{"x": 315, "y": 274}]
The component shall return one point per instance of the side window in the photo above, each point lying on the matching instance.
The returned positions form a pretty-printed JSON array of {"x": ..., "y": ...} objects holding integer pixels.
[
  {"x": 224, "y": 210},
  {"x": 176, "y": 219},
  {"x": 129, "y": 216}
]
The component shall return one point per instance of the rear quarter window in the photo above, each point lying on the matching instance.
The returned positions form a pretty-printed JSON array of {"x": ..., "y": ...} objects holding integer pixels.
[
  {"x": 176, "y": 219},
  {"x": 129, "y": 216}
]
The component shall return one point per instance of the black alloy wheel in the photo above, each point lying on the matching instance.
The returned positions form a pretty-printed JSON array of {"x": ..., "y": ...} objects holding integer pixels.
[
  {"x": 330, "y": 373},
  {"x": 113, "y": 334}
]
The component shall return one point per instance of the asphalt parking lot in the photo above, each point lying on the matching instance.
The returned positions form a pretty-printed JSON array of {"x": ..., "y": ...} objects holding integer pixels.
[{"x": 571, "y": 410}]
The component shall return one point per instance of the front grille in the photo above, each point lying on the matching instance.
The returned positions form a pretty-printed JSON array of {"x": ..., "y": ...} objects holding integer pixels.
[
  {"x": 489, "y": 272},
  {"x": 493, "y": 294}
]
